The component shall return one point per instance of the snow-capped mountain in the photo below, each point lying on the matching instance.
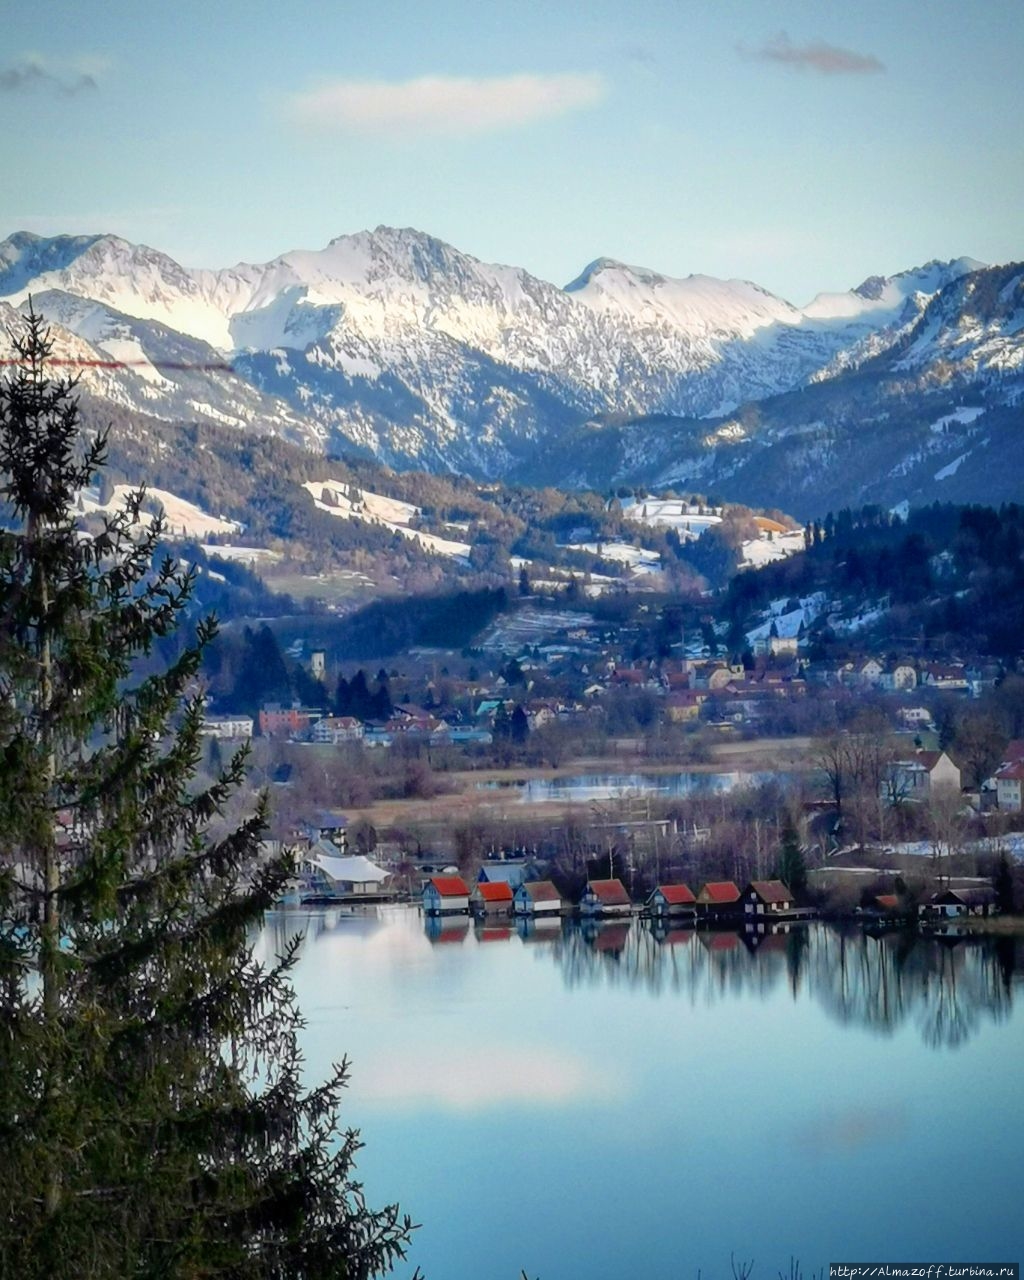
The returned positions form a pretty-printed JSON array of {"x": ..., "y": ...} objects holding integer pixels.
[
  {"x": 398, "y": 343},
  {"x": 937, "y": 413}
]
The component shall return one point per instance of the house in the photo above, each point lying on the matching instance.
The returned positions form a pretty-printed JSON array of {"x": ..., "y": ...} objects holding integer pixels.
[
  {"x": 915, "y": 717},
  {"x": 950, "y": 676},
  {"x": 718, "y": 900},
  {"x": 976, "y": 900},
  {"x": 1010, "y": 787},
  {"x": 491, "y": 898},
  {"x": 766, "y": 898},
  {"x": 684, "y": 704},
  {"x": 890, "y": 907},
  {"x": 445, "y": 895},
  {"x": 326, "y": 825},
  {"x": 537, "y": 898},
  {"x": 869, "y": 673},
  {"x": 333, "y": 730},
  {"x": 901, "y": 675},
  {"x": 605, "y": 898},
  {"x": 511, "y": 873},
  {"x": 286, "y": 722},
  {"x": 672, "y": 900},
  {"x": 920, "y": 776},
  {"x": 230, "y": 728}
]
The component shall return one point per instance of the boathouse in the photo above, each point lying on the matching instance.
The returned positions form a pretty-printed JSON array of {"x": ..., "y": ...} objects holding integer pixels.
[
  {"x": 766, "y": 898},
  {"x": 443, "y": 895},
  {"x": 976, "y": 900},
  {"x": 718, "y": 900},
  {"x": 672, "y": 900},
  {"x": 537, "y": 898},
  {"x": 605, "y": 898},
  {"x": 491, "y": 899}
]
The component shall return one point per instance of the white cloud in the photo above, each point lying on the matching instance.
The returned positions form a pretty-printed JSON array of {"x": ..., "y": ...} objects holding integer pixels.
[{"x": 444, "y": 105}]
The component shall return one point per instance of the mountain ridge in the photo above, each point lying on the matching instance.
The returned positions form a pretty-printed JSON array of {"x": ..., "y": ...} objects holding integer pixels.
[{"x": 395, "y": 344}]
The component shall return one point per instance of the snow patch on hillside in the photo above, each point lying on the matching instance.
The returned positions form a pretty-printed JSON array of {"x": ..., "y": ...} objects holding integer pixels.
[
  {"x": 671, "y": 513},
  {"x": 765, "y": 550},
  {"x": 945, "y": 472},
  {"x": 349, "y": 502},
  {"x": 639, "y": 560},
  {"x": 964, "y": 414},
  {"x": 182, "y": 517}
]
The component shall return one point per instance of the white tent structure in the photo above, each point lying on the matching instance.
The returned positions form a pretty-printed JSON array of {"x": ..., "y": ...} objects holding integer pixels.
[{"x": 333, "y": 876}]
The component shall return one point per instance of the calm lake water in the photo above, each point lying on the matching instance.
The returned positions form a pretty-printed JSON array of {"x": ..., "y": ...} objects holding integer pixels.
[
  {"x": 578, "y": 788},
  {"x": 603, "y": 1104}
]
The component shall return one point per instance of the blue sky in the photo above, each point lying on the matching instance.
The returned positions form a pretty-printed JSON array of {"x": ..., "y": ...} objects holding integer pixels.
[{"x": 803, "y": 145}]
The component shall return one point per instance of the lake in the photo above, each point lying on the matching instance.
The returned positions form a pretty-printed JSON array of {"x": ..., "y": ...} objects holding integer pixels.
[
  {"x": 580, "y": 788},
  {"x": 607, "y": 1104}
]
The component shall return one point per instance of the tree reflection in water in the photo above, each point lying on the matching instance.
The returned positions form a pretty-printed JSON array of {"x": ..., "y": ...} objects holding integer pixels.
[{"x": 945, "y": 986}]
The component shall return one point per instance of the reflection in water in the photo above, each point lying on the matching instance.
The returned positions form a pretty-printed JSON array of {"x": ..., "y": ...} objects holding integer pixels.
[
  {"x": 946, "y": 987},
  {"x": 446, "y": 928},
  {"x": 546, "y": 1073}
]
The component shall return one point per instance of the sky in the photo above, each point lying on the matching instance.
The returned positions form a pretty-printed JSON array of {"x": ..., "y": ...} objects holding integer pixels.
[{"x": 803, "y": 145}]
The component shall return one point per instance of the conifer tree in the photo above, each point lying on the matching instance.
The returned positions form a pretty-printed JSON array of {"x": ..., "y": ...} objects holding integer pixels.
[
  {"x": 153, "y": 1119},
  {"x": 790, "y": 866}
]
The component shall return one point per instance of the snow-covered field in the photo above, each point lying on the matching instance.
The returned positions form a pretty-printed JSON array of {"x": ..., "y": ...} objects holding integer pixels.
[
  {"x": 764, "y": 549},
  {"x": 246, "y": 555},
  {"x": 671, "y": 513},
  {"x": 351, "y": 503},
  {"x": 183, "y": 518},
  {"x": 638, "y": 559},
  {"x": 690, "y": 523}
]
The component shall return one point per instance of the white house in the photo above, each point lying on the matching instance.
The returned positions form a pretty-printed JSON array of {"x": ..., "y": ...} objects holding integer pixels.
[
  {"x": 920, "y": 776},
  {"x": 228, "y": 727},
  {"x": 1010, "y": 787},
  {"x": 333, "y": 730},
  {"x": 899, "y": 676}
]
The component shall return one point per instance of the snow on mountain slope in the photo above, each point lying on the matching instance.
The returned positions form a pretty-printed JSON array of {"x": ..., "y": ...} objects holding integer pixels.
[
  {"x": 399, "y": 344},
  {"x": 145, "y": 366},
  {"x": 976, "y": 326},
  {"x": 882, "y": 299},
  {"x": 182, "y": 517},
  {"x": 698, "y": 305},
  {"x": 349, "y": 502},
  {"x": 130, "y": 278}
]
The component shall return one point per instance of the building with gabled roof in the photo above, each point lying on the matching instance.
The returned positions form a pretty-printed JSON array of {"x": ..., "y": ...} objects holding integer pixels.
[
  {"x": 605, "y": 898},
  {"x": 491, "y": 897},
  {"x": 718, "y": 900},
  {"x": 1010, "y": 786},
  {"x": 537, "y": 897},
  {"x": 672, "y": 900},
  {"x": 766, "y": 897},
  {"x": 445, "y": 894},
  {"x": 974, "y": 900}
]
